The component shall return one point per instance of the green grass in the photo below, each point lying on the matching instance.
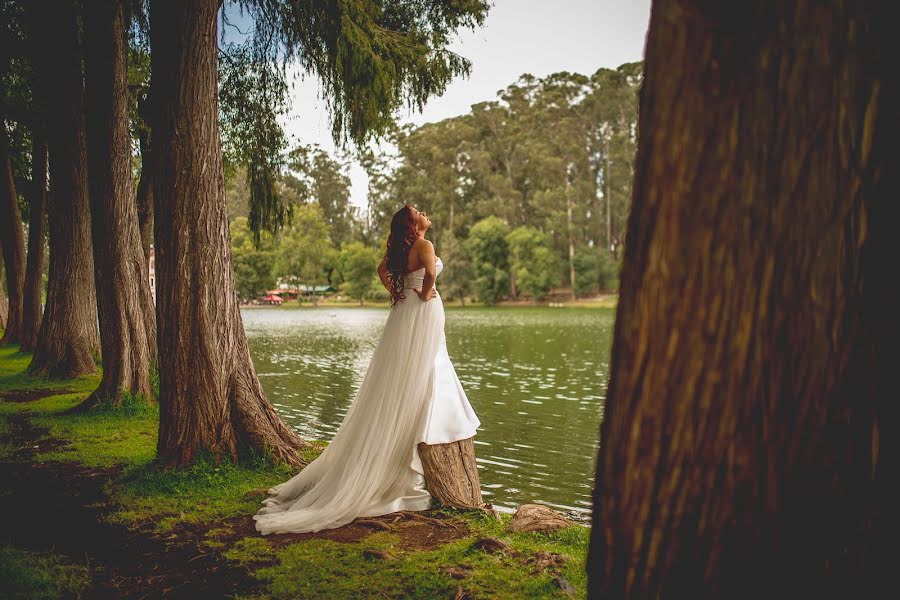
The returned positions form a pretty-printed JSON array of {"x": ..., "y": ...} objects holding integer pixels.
[
  {"x": 327, "y": 569},
  {"x": 204, "y": 493},
  {"x": 209, "y": 493},
  {"x": 31, "y": 575}
]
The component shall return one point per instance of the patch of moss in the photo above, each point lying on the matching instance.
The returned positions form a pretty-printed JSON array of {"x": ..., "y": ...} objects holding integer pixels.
[
  {"x": 250, "y": 551},
  {"x": 30, "y": 575}
]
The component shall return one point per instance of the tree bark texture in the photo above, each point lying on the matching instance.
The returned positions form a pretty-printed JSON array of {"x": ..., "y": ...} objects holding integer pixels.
[
  {"x": 751, "y": 375},
  {"x": 451, "y": 473},
  {"x": 12, "y": 239},
  {"x": 32, "y": 304},
  {"x": 145, "y": 185},
  {"x": 69, "y": 343},
  {"x": 125, "y": 308},
  {"x": 4, "y": 301},
  {"x": 210, "y": 398}
]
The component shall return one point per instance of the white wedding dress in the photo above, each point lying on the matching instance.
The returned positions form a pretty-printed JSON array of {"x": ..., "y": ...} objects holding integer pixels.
[{"x": 409, "y": 394}]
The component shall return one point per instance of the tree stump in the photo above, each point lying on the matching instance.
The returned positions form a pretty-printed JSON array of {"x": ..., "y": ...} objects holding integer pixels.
[{"x": 451, "y": 474}]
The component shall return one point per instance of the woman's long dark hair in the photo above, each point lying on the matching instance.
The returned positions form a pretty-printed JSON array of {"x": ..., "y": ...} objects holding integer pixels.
[{"x": 403, "y": 236}]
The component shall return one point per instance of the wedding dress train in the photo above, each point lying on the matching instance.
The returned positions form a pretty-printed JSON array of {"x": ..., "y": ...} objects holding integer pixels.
[{"x": 410, "y": 393}]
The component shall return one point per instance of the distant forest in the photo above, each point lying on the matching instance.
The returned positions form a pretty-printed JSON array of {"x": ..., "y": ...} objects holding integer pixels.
[{"x": 528, "y": 193}]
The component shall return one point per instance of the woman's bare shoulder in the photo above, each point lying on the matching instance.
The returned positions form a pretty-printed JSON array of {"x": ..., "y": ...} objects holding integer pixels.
[{"x": 421, "y": 244}]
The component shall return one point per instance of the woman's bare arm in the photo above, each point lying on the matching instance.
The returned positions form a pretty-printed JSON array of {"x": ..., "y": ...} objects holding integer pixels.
[
  {"x": 428, "y": 260},
  {"x": 384, "y": 275}
]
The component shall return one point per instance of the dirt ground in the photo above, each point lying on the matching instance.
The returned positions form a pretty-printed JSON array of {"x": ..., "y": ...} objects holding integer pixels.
[{"x": 60, "y": 507}]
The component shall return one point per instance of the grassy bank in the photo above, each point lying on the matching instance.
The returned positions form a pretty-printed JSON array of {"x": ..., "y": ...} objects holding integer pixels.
[{"x": 198, "y": 521}]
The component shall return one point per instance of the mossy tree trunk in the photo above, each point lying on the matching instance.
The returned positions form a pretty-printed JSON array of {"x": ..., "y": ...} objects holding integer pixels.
[
  {"x": 126, "y": 315},
  {"x": 741, "y": 449},
  {"x": 32, "y": 303},
  {"x": 12, "y": 240},
  {"x": 68, "y": 343},
  {"x": 210, "y": 398}
]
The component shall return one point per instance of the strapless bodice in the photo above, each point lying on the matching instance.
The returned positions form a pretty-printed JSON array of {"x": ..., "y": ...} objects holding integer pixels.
[{"x": 415, "y": 279}]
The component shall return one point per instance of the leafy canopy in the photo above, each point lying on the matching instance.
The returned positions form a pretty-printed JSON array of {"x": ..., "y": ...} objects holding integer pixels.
[{"x": 371, "y": 57}]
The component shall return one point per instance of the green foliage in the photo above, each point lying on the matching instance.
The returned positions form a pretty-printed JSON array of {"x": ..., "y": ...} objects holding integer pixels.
[
  {"x": 608, "y": 270},
  {"x": 587, "y": 270},
  {"x": 305, "y": 253},
  {"x": 358, "y": 264},
  {"x": 314, "y": 176},
  {"x": 554, "y": 153},
  {"x": 533, "y": 261},
  {"x": 595, "y": 268},
  {"x": 252, "y": 97},
  {"x": 371, "y": 56},
  {"x": 488, "y": 249},
  {"x": 457, "y": 275},
  {"x": 252, "y": 263},
  {"x": 237, "y": 193}
]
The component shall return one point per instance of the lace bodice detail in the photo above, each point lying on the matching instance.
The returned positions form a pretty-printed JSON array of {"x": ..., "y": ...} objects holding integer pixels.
[{"x": 414, "y": 279}]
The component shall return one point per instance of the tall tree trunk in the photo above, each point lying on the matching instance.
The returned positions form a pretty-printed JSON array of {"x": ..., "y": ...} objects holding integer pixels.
[
  {"x": 37, "y": 214},
  {"x": 210, "y": 398},
  {"x": 127, "y": 322},
  {"x": 12, "y": 239},
  {"x": 4, "y": 301},
  {"x": 68, "y": 344},
  {"x": 753, "y": 365},
  {"x": 606, "y": 180},
  {"x": 145, "y": 184},
  {"x": 570, "y": 233}
]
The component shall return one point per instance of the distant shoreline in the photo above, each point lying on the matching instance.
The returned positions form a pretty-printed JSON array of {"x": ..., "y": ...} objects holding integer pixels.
[{"x": 598, "y": 301}]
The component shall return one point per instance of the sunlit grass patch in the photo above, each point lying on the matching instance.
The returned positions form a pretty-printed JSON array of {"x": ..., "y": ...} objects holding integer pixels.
[
  {"x": 105, "y": 436},
  {"x": 30, "y": 575},
  {"x": 15, "y": 378}
]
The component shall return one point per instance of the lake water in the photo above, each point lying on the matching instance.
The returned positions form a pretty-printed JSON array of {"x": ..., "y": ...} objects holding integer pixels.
[{"x": 536, "y": 377}]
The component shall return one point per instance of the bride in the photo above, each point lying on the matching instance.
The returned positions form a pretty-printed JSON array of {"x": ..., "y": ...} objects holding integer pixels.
[{"x": 409, "y": 394}]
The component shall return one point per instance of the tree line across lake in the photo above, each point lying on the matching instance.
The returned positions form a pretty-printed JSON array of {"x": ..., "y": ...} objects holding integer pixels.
[{"x": 528, "y": 192}]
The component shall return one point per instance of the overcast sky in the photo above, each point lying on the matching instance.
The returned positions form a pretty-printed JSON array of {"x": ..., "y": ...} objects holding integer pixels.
[{"x": 519, "y": 36}]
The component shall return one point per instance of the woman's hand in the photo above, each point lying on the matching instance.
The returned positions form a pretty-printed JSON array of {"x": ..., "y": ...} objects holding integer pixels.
[{"x": 425, "y": 296}]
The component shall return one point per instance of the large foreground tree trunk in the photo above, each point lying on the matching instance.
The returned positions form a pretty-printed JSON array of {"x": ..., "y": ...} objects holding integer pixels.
[
  {"x": 37, "y": 214},
  {"x": 68, "y": 343},
  {"x": 12, "y": 240},
  {"x": 751, "y": 375},
  {"x": 127, "y": 321},
  {"x": 210, "y": 397},
  {"x": 4, "y": 300}
]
